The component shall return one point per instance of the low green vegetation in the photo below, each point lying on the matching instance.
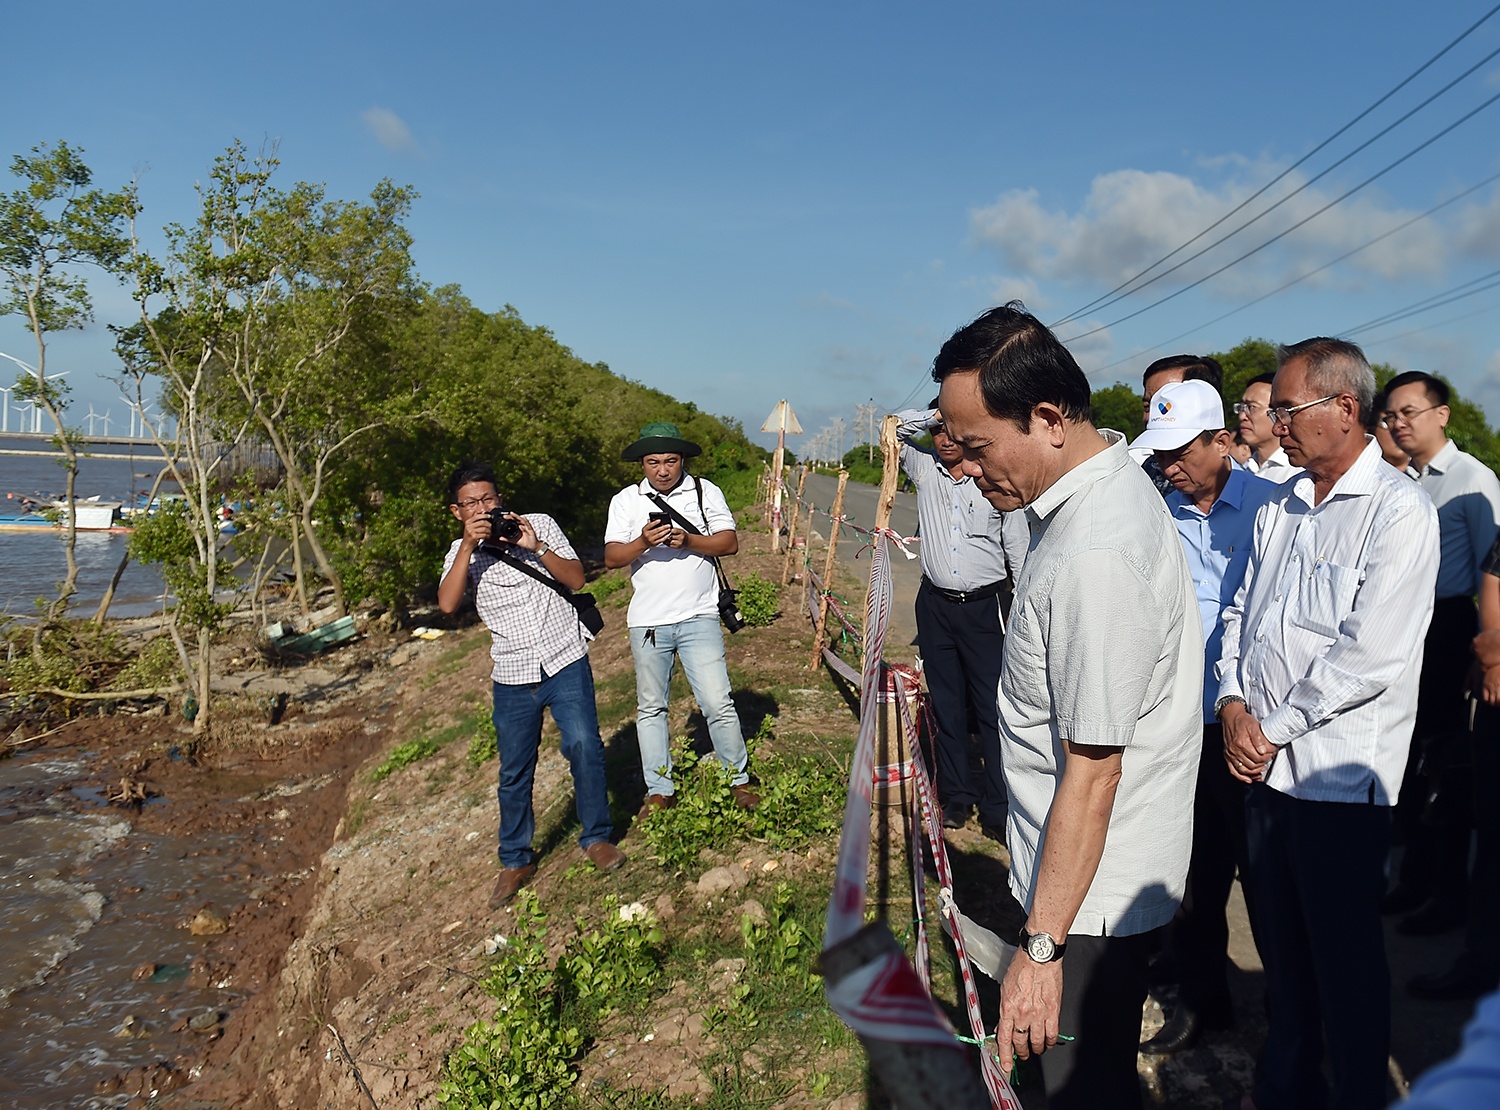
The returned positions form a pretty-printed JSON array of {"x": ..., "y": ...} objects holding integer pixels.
[
  {"x": 403, "y": 755},
  {"x": 760, "y": 600},
  {"x": 801, "y": 802},
  {"x": 525, "y": 1056}
]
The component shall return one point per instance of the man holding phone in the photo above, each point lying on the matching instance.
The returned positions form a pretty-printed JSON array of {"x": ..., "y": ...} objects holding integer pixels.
[{"x": 674, "y": 612}]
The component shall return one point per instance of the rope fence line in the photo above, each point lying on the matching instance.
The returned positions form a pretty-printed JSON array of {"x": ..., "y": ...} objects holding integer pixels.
[{"x": 884, "y": 996}]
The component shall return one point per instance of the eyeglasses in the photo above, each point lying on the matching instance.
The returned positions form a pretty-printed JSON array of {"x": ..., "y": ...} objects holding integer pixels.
[
  {"x": 1246, "y": 408},
  {"x": 1282, "y": 414},
  {"x": 1405, "y": 416},
  {"x": 488, "y": 501}
]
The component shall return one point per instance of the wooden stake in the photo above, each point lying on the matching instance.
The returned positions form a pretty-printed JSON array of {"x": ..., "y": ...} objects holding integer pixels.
[
  {"x": 833, "y": 541},
  {"x": 890, "y": 475},
  {"x": 791, "y": 536}
]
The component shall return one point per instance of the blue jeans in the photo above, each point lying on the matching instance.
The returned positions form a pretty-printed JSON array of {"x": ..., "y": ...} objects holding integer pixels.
[
  {"x": 518, "y": 733},
  {"x": 699, "y": 643}
]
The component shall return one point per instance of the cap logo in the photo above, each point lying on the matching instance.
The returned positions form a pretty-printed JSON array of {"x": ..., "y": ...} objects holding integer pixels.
[{"x": 1164, "y": 407}]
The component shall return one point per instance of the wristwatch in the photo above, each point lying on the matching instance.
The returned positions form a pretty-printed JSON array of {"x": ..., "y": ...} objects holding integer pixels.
[
  {"x": 1040, "y": 947},
  {"x": 1224, "y": 703},
  {"x": 542, "y": 548}
]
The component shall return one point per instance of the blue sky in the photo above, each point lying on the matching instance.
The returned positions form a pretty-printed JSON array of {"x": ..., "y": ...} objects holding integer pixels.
[{"x": 738, "y": 202}]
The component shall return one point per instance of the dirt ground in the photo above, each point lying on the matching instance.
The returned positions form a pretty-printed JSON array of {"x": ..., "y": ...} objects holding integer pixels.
[{"x": 350, "y": 963}]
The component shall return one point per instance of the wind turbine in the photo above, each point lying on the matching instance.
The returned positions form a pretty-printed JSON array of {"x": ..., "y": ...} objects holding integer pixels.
[
  {"x": 92, "y": 416},
  {"x": 5, "y": 412},
  {"x": 105, "y": 418}
]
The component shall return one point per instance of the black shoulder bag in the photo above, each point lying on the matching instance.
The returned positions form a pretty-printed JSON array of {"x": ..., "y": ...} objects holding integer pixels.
[
  {"x": 729, "y": 604},
  {"x": 588, "y": 609}
]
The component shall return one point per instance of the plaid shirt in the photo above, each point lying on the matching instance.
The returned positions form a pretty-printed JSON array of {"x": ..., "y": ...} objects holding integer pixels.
[{"x": 532, "y": 629}]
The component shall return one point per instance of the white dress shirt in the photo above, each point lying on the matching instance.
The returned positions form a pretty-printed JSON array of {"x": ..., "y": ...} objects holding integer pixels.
[
  {"x": 1277, "y": 467},
  {"x": 1467, "y": 496},
  {"x": 1324, "y": 639},
  {"x": 967, "y": 543},
  {"x": 1105, "y": 648}
]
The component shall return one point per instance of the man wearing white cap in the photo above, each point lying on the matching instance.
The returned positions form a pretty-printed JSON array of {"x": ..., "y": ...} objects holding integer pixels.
[{"x": 1213, "y": 505}]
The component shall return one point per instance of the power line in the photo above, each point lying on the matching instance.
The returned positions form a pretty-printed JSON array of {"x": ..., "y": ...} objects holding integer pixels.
[
  {"x": 1279, "y": 177},
  {"x": 1304, "y": 186},
  {"x": 1428, "y": 327},
  {"x": 1437, "y": 300},
  {"x": 1311, "y": 273},
  {"x": 1300, "y": 223}
]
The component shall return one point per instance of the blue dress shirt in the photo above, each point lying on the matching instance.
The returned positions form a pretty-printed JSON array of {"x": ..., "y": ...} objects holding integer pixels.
[{"x": 1218, "y": 550}]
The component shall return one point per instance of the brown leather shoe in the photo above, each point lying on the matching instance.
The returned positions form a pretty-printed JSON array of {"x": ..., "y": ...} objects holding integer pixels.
[
  {"x": 744, "y": 797},
  {"x": 605, "y": 855},
  {"x": 511, "y": 880},
  {"x": 655, "y": 802}
]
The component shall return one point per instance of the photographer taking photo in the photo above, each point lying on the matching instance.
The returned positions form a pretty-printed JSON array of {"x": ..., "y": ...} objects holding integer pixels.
[{"x": 540, "y": 650}]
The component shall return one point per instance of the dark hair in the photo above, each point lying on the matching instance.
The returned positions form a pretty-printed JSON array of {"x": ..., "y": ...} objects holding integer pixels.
[
  {"x": 1335, "y": 366},
  {"x": 1377, "y": 409},
  {"x": 1195, "y": 368},
  {"x": 1437, "y": 389},
  {"x": 467, "y": 473},
  {"x": 1021, "y": 365},
  {"x": 1262, "y": 379}
]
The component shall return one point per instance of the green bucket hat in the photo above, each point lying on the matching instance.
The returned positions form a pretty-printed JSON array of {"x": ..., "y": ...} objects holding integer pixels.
[{"x": 660, "y": 438}]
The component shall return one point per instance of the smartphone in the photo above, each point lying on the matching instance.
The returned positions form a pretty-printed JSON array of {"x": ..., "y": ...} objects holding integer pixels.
[{"x": 659, "y": 518}]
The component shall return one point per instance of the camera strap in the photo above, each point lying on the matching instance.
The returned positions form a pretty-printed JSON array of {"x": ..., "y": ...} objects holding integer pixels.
[
  {"x": 578, "y": 601},
  {"x": 688, "y": 526}
]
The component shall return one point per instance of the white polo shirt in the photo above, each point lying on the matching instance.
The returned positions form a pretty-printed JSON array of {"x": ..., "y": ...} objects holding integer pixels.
[
  {"x": 671, "y": 584},
  {"x": 1105, "y": 647}
]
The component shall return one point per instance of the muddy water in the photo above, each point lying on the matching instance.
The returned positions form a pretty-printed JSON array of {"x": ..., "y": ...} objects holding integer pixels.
[{"x": 85, "y": 901}]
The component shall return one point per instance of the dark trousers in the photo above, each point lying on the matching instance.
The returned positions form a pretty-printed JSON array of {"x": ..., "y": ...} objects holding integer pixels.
[
  {"x": 961, "y": 648},
  {"x": 1200, "y": 933},
  {"x": 517, "y": 714},
  {"x": 1317, "y": 869},
  {"x": 1483, "y": 936},
  {"x": 1433, "y": 811},
  {"x": 1104, "y": 987}
]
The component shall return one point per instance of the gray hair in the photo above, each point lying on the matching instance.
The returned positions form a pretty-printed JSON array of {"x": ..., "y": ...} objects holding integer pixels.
[{"x": 1335, "y": 366}]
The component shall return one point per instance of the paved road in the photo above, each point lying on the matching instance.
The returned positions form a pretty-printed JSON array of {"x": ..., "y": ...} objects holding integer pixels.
[{"x": 906, "y": 574}]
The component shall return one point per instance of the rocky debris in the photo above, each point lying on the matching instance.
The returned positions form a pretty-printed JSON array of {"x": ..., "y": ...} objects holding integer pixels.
[
  {"x": 147, "y": 1082},
  {"x": 145, "y": 971},
  {"x": 721, "y": 880},
  {"x": 129, "y": 792},
  {"x": 207, "y": 924},
  {"x": 133, "y": 1029}
]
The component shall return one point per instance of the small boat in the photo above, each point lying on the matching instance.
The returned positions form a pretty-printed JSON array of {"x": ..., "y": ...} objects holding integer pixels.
[{"x": 93, "y": 515}]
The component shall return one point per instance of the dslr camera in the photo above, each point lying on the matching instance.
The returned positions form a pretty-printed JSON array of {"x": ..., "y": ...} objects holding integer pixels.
[
  {"x": 504, "y": 526},
  {"x": 729, "y": 609}
]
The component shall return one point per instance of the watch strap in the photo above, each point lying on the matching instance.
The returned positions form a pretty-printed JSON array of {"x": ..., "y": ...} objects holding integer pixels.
[{"x": 1024, "y": 944}]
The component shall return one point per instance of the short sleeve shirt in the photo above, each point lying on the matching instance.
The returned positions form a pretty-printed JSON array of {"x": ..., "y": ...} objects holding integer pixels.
[
  {"x": 1105, "y": 648},
  {"x": 533, "y": 631},
  {"x": 670, "y": 584}
]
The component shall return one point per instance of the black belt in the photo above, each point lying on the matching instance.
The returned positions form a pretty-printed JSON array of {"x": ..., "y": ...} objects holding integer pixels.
[{"x": 962, "y": 596}]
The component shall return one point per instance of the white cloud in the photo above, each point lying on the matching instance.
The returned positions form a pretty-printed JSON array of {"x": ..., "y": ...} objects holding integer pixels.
[
  {"x": 390, "y": 130},
  {"x": 1130, "y": 218},
  {"x": 1024, "y": 289}
]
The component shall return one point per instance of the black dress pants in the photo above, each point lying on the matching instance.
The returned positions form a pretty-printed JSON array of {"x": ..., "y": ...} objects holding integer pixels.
[
  {"x": 961, "y": 649},
  {"x": 1432, "y": 816},
  {"x": 1104, "y": 987},
  {"x": 1317, "y": 869},
  {"x": 1200, "y": 933},
  {"x": 1483, "y": 936}
]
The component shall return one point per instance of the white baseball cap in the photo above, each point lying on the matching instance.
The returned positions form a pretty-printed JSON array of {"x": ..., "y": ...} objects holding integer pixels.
[{"x": 1179, "y": 412}]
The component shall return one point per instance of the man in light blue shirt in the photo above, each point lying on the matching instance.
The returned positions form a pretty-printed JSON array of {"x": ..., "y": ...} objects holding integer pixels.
[
  {"x": 971, "y": 553},
  {"x": 1213, "y": 505}
]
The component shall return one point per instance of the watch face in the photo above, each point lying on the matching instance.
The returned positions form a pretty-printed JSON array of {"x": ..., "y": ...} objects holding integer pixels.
[{"x": 1040, "y": 948}]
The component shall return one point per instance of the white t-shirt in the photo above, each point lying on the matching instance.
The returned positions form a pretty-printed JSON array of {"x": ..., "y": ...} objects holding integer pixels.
[{"x": 672, "y": 584}]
